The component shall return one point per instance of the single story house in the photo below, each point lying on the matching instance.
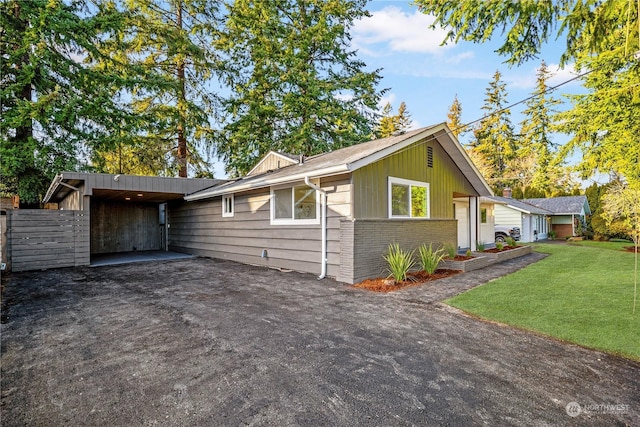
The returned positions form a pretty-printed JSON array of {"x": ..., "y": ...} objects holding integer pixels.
[
  {"x": 332, "y": 214},
  {"x": 335, "y": 214},
  {"x": 532, "y": 221},
  {"x": 567, "y": 214}
]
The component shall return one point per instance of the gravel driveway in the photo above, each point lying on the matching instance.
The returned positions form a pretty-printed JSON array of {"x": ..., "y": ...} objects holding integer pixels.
[{"x": 209, "y": 342}]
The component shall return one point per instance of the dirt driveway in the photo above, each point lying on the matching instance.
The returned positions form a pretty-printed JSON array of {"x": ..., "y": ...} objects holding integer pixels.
[{"x": 206, "y": 342}]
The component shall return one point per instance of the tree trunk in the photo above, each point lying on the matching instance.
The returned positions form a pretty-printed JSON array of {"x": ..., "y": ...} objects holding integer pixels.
[{"x": 182, "y": 140}]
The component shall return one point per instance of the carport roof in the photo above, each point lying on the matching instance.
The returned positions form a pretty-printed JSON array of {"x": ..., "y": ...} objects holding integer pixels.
[{"x": 152, "y": 189}]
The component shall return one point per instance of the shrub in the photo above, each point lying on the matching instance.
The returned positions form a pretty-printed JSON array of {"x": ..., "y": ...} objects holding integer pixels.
[
  {"x": 430, "y": 258},
  {"x": 499, "y": 246},
  {"x": 480, "y": 245},
  {"x": 468, "y": 253},
  {"x": 399, "y": 261},
  {"x": 451, "y": 250},
  {"x": 551, "y": 235},
  {"x": 510, "y": 241}
]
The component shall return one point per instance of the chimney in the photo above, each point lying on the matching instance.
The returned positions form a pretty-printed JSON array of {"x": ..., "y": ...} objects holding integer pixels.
[{"x": 506, "y": 192}]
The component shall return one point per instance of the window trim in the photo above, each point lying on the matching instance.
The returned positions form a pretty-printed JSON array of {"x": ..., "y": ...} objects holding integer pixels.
[
  {"x": 393, "y": 180},
  {"x": 226, "y": 214},
  {"x": 292, "y": 220}
]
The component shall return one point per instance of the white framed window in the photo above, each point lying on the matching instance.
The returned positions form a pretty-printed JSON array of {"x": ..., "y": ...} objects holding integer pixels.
[
  {"x": 408, "y": 199},
  {"x": 228, "y": 205},
  {"x": 295, "y": 205}
]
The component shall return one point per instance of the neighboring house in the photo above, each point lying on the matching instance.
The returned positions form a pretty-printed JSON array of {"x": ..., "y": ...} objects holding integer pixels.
[
  {"x": 567, "y": 215},
  {"x": 532, "y": 221},
  {"x": 336, "y": 213}
]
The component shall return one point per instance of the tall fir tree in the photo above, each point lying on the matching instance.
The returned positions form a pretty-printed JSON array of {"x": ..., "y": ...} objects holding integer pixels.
[
  {"x": 171, "y": 42},
  {"x": 56, "y": 105},
  {"x": 296, "y": 84},
  {"x": 604, "y": 122},
  {"x": 454, "y": 118},
  {"x": 602, "y": 37},
  {"x": 390, "y": 124},
  {"x": 536, "y": 148},
  {"x": 493, "y": 139}
]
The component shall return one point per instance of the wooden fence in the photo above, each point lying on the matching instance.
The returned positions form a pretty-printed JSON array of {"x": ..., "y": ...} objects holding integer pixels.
[{"x": 40, "y": 239}]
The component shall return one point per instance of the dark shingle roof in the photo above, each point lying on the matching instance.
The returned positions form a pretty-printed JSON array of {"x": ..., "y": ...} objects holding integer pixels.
[
  {"x": 350, "y": 158},
  {"x": 562, "y": 205},
  {"x": 521, "y": 205}
]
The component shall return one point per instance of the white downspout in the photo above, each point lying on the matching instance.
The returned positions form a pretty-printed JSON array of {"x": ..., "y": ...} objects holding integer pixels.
[{"x": 323, "y": 224}]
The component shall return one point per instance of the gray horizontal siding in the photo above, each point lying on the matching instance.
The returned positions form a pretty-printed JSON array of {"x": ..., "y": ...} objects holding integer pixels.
[
  {"x": 41, "y": 239},
  {"x": 200, "y": 229}
]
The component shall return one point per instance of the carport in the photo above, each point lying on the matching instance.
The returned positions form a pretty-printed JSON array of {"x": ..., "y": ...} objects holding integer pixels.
[{"x": 126, "y": 213}]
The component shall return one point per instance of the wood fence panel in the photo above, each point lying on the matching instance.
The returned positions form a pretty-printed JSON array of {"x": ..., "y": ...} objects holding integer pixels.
[{"x": 41, "y": 239}]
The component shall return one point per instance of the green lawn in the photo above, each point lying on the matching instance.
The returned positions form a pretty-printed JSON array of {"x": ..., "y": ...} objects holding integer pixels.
[{"x": 579, "y": 293}]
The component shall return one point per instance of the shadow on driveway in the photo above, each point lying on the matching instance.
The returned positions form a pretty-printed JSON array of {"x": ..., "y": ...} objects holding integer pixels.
[{"x": 210, "y": 342}]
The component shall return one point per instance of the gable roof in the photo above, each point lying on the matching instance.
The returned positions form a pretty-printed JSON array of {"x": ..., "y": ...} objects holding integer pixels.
[
  {"x": 289, "y": 159},
  {"x": 567, "y": 205},
  {"x": 520, "y": 205},
  {"x": 354, "y": 157}
]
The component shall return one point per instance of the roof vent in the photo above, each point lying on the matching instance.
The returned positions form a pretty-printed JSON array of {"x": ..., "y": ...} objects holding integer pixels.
[{"x": 430, "y": 157}]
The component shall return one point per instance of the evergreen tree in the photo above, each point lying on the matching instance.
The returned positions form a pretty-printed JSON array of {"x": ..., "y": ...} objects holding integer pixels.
[
  {"x": 393, "y": 124},
  {"x": 493, "y": 138},
  {"x": 386, "y": 123},
  {"x": 536, "y": 148},
  {"x": 171, "y": 42},
  {"x": 454, "y": 118},
  {"x": 296, "y": 85},
  {"x": 604, "y": 123},
  {"x": 603, "y": 37},
  {"x": 403, "y": 119},
  {"x": 55, "y": 104}
]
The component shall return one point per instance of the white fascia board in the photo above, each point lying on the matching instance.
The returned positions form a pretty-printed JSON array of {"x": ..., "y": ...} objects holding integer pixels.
[{"x": 333, "y": 170}]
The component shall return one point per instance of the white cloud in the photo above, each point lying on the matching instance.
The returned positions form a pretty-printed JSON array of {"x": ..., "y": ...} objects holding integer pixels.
[
  {"x": 399, "y": 31},
  {"x": 460, "y": 57},
  {"x": 528, "y": 80},
  {"x": 390, "y": 97}
]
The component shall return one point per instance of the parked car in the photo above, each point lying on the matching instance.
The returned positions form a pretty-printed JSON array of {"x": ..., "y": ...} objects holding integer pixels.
[{"x": 503, "y": 231}]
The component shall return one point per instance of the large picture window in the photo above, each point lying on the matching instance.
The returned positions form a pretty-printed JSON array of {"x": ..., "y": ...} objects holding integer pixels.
[
  {"x": 294, "y": 205},
  {"x": 408, "y": 199}
]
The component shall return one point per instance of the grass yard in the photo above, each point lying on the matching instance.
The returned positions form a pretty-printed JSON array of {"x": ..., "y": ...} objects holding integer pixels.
[{"x": 579, "y": 293}]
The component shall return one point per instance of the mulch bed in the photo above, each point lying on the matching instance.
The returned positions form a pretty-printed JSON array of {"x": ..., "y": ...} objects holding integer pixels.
[
  {"x": 413, "y": 279},
  {"x": 460, "y": 258},
  {"x": 631, "y": 249},
  {"x": 504, "y": 248}
]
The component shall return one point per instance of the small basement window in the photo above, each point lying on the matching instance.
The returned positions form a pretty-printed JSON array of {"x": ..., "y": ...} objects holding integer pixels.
[
  {"x": 227, "y": 205},
  {"x": 295, "y": 205},
  {"x": 408, "y": 199}
]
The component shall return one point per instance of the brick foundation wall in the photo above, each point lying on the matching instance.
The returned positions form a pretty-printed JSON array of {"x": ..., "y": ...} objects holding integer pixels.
[
  {"x": 364, "y": 242},
  {"x": 562, "y": 230}
]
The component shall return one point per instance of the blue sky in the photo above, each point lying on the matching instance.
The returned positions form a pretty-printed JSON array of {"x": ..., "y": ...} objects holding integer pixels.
[
  {"x": 416, "y": 69},
  {"x": 427, "y": 76}
]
